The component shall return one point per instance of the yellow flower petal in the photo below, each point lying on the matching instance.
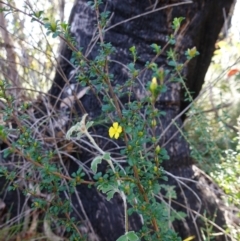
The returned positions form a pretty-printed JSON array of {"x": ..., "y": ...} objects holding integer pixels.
[
  {"x": 116, "y": 135},
  {"x": 111, "y": 132},
  {"x": 115, "y": 125},
  {"x": 119, "y": 129}
]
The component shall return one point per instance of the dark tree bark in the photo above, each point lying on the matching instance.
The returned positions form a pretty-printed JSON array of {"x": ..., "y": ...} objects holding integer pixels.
[{"x": 201, "y": 27}]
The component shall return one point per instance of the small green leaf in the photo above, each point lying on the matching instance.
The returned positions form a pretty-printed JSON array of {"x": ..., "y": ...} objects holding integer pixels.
[
  {"x": 123, "y": 238},
  {"x": 110, "y": 194},
  {"x": 180, "y": 215},
  {"x": 132, "y": 236},
  {"x": 55, "y": 35},
  {"x": 89, "y": 124},
  {"x": 97, "y": 160},
  {"x": 128, "y": 129},
  {"x": 107, "y": 108},
  {"x": 172, "y": 63},
  {"x": 132, "y": 49},
  {"x": 38, "y": 14},
  {"x": 177, "y": 22},
  {"x": 107, "y": 156},
  {"x": 109, "y": 190},
  {"x": 134, "y": 53},
  {"x": 156, "y": 188},
  {"x": 64, "y": 26},
  {"x": 131, "y": 67},
  {"x": 156, "y": 48}
]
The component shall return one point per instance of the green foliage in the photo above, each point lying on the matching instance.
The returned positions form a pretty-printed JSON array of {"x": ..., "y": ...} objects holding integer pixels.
[
  {"x": 212, "y": 127},
  {"x": 138, "y": 182},
  {"x": 228, "y": 172}
]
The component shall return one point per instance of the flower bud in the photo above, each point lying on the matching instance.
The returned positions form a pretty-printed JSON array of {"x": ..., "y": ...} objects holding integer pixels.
[
  {"x": 192, "y": 52},
  {"x": 157, "y": 149},
  {"x": 154, "y": 122},
  {"x": 153, "y": 85}
]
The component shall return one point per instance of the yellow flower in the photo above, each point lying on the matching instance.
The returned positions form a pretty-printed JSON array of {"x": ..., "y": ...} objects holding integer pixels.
[{"x": 115, "y": 130}]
